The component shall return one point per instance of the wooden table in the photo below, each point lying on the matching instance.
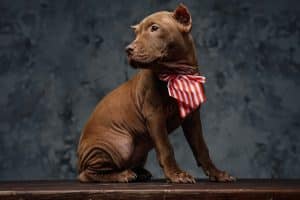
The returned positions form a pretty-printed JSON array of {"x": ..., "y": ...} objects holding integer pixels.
[{"x": 242, "y": 189}]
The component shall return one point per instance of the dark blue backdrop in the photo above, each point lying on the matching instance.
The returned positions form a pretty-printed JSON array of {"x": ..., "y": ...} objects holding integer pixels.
[{"x": 58, "y": 58}]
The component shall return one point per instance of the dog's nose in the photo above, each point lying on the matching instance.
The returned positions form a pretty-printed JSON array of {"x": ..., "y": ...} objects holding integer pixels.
[{"x": 129, "y": 49}]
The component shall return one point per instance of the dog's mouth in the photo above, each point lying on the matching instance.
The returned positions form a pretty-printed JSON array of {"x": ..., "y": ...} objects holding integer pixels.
[
  {"x": 161, "y": 66},
  {"x": 141, "y": 63}
]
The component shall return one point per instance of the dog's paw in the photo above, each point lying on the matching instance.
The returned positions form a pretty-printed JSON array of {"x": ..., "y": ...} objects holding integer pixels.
[
  {"x": 127, "y": 176},
  {"x": 181, "y": 177},
  {"x": 221, "y": 176},
  {"x": 142, "y": 174}
]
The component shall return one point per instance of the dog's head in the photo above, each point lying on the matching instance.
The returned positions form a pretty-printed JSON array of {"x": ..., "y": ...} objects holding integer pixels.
[{"x": 161, "y": 37}]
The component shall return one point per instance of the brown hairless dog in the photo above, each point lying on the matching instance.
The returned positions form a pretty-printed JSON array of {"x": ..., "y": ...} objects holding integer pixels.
[{"x": 138, "y": 115}]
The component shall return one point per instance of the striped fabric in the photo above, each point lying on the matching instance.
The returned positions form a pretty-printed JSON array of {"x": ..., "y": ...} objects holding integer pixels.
[{"x": 187, "y": 90}]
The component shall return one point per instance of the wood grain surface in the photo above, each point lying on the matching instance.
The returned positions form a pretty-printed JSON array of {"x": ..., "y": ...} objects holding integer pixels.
[{"x": 157, "y": 189}]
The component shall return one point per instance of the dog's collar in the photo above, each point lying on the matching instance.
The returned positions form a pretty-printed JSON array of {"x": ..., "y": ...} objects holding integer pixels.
[{"x": 177, "y": 68}]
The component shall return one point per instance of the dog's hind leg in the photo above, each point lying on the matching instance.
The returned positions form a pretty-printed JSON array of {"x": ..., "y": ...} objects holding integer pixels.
[
  {"x": 99, "y": 167},
  {"x": 108, "y": 177}
]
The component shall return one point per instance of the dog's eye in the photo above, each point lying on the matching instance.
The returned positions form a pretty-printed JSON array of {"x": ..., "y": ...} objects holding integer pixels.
[{"x": 154, "y": 27}]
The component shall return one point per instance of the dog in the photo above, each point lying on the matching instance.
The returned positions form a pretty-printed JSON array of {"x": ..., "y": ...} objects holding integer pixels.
[{"x": 139, "y": 114}]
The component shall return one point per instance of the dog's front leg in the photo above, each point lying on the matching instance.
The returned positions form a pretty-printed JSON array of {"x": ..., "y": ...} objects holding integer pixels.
[
  {"x": 193, "y": 132},
  {"x": 158, "y": 132}
]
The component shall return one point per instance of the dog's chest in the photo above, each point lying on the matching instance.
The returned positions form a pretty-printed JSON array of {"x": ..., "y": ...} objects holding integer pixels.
[
  {"x": 173, "y": 119},
  {"x": 170, "y": 108}
]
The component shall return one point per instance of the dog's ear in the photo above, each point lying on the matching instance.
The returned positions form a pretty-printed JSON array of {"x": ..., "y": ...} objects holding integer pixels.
[{"x": 183, "y": 17}]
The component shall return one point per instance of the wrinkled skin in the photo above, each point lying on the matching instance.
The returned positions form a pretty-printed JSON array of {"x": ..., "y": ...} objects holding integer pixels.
[{"x": 138, "y": 115}]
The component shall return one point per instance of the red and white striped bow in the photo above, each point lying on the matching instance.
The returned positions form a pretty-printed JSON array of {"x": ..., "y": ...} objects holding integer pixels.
[{"x": 187, "y": 90}]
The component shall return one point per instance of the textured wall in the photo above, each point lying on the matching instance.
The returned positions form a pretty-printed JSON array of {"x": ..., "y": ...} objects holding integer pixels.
[{"x": 58, "y": 58}]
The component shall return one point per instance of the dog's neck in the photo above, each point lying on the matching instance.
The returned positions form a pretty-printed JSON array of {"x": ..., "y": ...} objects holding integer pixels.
[
  {"x": 187, "y": 64},
  {"x": 186, "y": 61},
  {"x": 191, "y": 55},
  {"x": 178, "y": 67}
]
